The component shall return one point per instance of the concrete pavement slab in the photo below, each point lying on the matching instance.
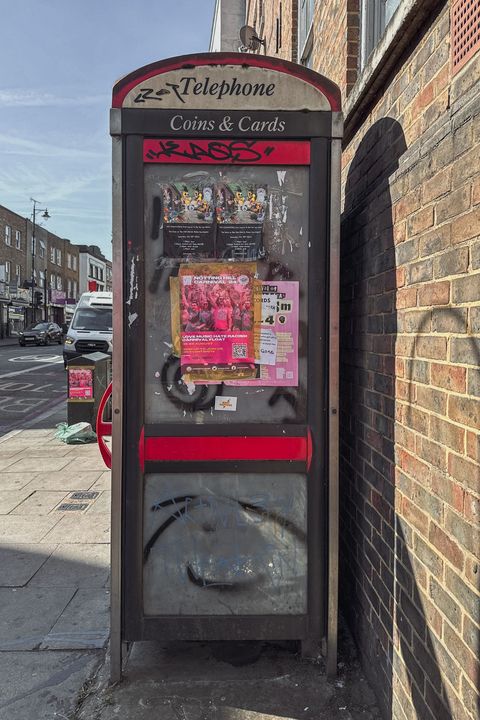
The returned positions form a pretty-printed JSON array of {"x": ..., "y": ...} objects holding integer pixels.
[
  {"x": 65, "y": 481},
  {"x": 75, "y": 565},
  {"x": 104, "y": 482},
  {"x": 39, "y": 503},
  {"x": 102, "y": 503},
  {"x": 28, "y": 614},
  {"x": 186, "y": 680},
  {"x": 9, "y": 499},
  {"x": 21, "y": 529},
  {"x": 8, "y": 461},
  {"x": 43, "y": 685},
  {"x": 84, "y": 624},
  {"x": 19, "y": 563},
  {"x": 94, "y": 462},
  {"x": 88, "y": 528},
  {"x": 43, "y": 465},
  {"x": 15, "y": 481},
  {"x": 42, "y": 451}
]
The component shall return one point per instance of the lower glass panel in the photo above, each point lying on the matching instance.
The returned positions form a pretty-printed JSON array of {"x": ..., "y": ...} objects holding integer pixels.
[{"x": 225, "y": 544}]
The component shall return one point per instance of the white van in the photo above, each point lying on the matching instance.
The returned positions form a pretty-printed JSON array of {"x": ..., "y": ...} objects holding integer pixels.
[{"x": 91, "y": 327}]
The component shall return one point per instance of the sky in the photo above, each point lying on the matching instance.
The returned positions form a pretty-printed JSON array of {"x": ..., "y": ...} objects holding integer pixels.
[{"x": 58, "y": 63}]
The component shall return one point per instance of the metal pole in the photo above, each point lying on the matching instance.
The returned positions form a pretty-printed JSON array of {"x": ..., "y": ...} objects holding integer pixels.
[
  {"x": 33, "y": 263},
  {"x": 45, "y": 291}
]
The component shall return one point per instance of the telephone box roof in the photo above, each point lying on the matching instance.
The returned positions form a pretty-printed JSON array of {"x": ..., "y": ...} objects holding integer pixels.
[{"x": 243, "y": 60}]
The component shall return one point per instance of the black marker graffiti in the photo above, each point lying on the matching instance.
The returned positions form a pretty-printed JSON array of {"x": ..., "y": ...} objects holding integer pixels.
[
  {"x": 186, "y": 507},
  {"x": 240, "y": 151},
  {"x": 150, "y": 94}
]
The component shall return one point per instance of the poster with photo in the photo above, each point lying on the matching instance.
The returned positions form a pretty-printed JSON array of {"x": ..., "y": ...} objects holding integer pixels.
[
  {"x": 240, "y": 212},
  {"x": 188, "y": 219},
  {"x": 216, "y": 321},
  {"x": 80, "y": 383},
  {"x": 275, "y": 334}
]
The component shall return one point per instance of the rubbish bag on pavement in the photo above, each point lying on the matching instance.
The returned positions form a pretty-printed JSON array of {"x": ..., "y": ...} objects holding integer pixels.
[{"x": 78, "y": 433}]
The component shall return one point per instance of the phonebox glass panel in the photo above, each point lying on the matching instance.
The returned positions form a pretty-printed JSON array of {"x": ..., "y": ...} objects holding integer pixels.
[
  {"x": 225, "y": 544},
  {"x": 226, "y": 258}
]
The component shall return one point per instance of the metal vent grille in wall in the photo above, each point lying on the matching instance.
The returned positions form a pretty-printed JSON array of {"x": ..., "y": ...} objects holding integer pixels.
[{"x": 465, "y": 25}]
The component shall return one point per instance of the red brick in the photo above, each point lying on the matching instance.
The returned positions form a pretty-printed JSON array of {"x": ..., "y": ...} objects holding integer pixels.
[
  {"x": 447, "y": 433},
  {"x": 472, "y": 507},
  {"x": 406, "y": 298},
  {"x": 476, "y": 191},
  {"x": 407, "y": 205},
  {"x": 415, "y": 516},
  {"x": 449, "y": 377},
  {"x": 400, "y": 277},
  {"x": 464, "y": 471},
  {"x": 466, "y": 659},
  {"x": 436, "y": 293},
  {"x": 447, "y": 489},
  {"x": 473, "y": 445},
  {"x": 412, "y": 466},
  {"x": 464, "y": 410},
  {"x": 449, "y": 549},
  {"x": 421, "y": 220},
  {"x": 472, "y": 572},
  {"x": 466, "y": 227},
  {"x": 431, "y": 347},
  {"x": 423, "y": 99}
]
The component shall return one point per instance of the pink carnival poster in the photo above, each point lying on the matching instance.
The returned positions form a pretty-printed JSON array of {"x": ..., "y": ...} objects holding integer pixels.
[
  {"x": 275, "y": 335},
  {"x": 216, "y": 321}
]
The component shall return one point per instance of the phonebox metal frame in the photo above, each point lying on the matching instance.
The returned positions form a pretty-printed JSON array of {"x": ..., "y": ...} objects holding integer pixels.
[{"x": 129, "y": 127}]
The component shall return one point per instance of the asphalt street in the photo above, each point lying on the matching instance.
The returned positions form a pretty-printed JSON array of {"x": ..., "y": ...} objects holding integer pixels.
[{"x": 32, "y": 386}]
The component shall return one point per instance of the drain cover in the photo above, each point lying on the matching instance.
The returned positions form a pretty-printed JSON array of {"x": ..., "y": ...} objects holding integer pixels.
[
  {"x": 84, "y": 495},
  {"x": 72, "y": 506}
]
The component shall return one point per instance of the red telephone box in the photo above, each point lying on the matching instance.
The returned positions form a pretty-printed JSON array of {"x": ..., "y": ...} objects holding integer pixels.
[{"x": 225, "y": 368}]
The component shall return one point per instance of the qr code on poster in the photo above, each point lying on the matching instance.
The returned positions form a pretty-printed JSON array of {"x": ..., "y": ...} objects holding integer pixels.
[{"x": 239, "y": 351}]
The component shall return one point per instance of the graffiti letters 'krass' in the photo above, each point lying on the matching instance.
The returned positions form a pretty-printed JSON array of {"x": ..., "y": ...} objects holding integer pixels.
[
  {"x": 240, "y": 151},
  {"x": 190, "y": 85}
]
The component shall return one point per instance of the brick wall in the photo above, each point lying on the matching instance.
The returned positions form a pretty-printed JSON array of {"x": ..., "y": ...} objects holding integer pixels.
[
  {"x": 278, "y": 16},
  {"x": 10, "y": 252},
  {"x": 410, "y": 363},
  {"x": 335, "y": 41},
  {"x": 410, "y": 383},
  {"x": 410, "y": 359}
]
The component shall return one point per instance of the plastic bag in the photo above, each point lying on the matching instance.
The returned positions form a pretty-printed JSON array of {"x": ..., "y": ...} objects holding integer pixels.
[{"x": 76, "y": 434}]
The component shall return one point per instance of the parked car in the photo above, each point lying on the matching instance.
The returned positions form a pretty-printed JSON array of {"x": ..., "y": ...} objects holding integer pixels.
[{"x": 42, "y": 333}]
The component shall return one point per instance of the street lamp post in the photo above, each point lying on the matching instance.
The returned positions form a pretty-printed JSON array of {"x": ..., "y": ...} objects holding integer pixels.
[{"x": 45, "y": 215}]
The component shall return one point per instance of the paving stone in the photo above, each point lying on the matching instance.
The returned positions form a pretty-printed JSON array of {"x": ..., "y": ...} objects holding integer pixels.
[
  {"x": 7, "y": 451},
  {"x": 75, "y": 565},
  {"x": 19, "y": 529},
  {"x": 39, "y": 503},
  {"x": 102, "y": 504},
  {"x": 19, "y": 563},
  {"x": 78, "y": 480},
  {"x": 88, "y": 529},
  {"x": 16, "y": 481},
  {"x": 84, "y": 624},
  {"x": 43, "y": 686},
  {"x": 41, "y": 451},
  {"x": 104, "y": 482},
  {"x": 28, "y": 614},
  {"x": 45, "y": 465},
  {"x": 9, "y": 499},
  {"x": 94, "y": 462},
  {"x": 6, "y": 462}
]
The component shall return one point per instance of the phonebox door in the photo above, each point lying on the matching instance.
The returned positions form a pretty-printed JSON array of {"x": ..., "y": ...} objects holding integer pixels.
[{"x": 224, "y": 374}]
